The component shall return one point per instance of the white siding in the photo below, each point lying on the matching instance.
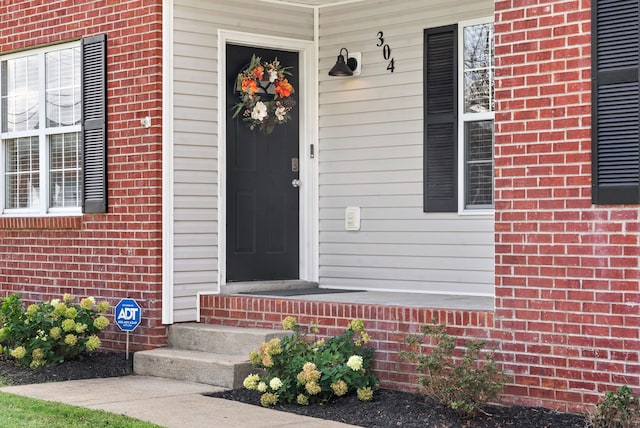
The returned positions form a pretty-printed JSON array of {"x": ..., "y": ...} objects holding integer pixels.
[
  {"x": 196, "y": 24},
  {"x": 370, "y": 155}
]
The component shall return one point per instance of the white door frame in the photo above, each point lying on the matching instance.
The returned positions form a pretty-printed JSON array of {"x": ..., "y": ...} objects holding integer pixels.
[{"x": 307, "y": 103}]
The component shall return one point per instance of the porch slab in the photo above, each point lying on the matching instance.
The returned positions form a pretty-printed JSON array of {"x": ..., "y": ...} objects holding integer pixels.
[{"x": 422, "y": 300}]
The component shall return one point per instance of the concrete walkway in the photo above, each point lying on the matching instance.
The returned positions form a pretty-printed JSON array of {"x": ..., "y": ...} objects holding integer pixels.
[{"x": 168, "y": 403}]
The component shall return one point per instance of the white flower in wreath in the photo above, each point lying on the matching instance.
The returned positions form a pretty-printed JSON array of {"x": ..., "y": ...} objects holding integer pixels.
[
  {"x": 259, "y": 112},
  {"x": 280, "y": 113},
  {"x": 273, "y": 75}
]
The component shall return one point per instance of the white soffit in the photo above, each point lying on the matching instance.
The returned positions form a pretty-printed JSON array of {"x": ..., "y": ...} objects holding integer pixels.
[{"x": 312, "y": 3}]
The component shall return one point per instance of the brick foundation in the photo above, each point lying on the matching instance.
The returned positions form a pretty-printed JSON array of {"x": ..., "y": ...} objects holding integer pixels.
[
  {"x": 387, "y": 325},
  {"x": 561, "y": 376}
]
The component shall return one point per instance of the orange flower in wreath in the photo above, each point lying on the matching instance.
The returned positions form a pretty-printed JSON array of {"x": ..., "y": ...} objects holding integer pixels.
[
  {"x": 258, "y": 72},
  {"x": 249, "y": 86},
  {"x": 283, "y": 88}
]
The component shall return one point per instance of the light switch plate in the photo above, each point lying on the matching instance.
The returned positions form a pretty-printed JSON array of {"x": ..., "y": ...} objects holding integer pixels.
[{"x": 352, "y": 218}]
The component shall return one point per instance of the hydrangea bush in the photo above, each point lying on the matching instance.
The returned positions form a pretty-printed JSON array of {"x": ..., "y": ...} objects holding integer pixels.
[
  {"x": 462, "y": 378},
  {"x": 306, "y": 370},
  {"x": 50, "y": 332}
]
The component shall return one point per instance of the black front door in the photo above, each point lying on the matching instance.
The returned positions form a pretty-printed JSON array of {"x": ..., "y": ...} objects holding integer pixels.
[{"x": 262, "y": 204}]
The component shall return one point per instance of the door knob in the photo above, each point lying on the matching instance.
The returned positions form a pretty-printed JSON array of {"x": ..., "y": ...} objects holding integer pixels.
[{"x": 295, "y": 182}]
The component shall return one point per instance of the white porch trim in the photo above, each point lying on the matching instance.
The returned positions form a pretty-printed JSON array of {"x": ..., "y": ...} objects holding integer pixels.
[{"x": 167, "y": 162}]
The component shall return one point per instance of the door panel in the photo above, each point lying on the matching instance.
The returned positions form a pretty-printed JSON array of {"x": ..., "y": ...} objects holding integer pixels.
[{"x": 262, "y": 205}]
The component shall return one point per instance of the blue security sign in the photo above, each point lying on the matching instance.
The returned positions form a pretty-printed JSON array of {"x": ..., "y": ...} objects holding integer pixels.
[{"x": 128, "y": 314}]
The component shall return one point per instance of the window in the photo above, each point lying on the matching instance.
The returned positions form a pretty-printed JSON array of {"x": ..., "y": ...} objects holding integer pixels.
[
  {"x": 459, "y": 114},
  {"x": 52, "y": 129},
  {"x": 477, "y": 115},
  {"x": 616, "y": 102},
  {"x": 40, "y": 98}
]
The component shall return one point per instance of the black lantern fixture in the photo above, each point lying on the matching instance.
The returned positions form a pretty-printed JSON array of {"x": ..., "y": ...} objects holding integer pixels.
[{"x": 344, "y": 67}]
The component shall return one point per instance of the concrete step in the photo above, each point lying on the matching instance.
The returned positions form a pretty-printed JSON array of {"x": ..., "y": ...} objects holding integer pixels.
[
  {"x": 219, "y": 339},
  {"x": 223, "y": 370},
  {"x": 209, "y": 354}
]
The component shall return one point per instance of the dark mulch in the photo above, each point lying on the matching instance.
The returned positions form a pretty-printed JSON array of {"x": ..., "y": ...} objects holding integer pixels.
[
  {"x": 89, "y": 366},
  {"x": 405, "y": 410},
  {"x": 388, "y": 409}
]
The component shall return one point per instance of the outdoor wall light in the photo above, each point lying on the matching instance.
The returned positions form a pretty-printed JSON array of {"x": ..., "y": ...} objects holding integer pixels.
[{"x": 344, "y": 66}]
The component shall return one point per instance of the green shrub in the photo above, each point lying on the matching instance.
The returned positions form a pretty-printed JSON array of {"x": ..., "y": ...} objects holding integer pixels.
[
  {"x": 303, "y": 369},
  {"x": 466, "y": 383},
  {"x": 618, "y": 410},
  {"x": 48, "y": 333}
]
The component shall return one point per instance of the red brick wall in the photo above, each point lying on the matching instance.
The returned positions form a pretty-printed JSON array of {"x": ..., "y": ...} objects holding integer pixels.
[
  {"x": 567, "y": 293},
  {"x": 114, "y": 255}
]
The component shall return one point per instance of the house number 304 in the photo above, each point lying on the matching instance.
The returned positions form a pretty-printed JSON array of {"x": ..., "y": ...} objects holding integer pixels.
[{"x": 386, "y": 52}]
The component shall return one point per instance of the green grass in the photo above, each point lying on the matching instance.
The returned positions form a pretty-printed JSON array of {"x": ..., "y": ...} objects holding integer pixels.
[{"x": 17, "y": 411}]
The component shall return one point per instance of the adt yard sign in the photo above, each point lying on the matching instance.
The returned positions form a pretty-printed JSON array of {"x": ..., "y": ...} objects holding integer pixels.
[{"x": 128, "y": 314}]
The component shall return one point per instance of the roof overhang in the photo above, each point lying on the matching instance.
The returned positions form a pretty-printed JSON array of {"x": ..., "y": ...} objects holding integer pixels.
[{"x": 312, "y": 3}]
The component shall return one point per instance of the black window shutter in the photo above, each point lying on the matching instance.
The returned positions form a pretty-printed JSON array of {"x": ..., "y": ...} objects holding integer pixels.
[
  {"x": 94, "y": 123},
  {"x": 616, "y": 102},
  {"x": 440, "y": 119}
]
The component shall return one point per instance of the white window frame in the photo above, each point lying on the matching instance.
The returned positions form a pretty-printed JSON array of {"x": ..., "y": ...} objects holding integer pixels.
[
  {"x": 43, "y": 134},
  {"x": 464, "y": 117}
]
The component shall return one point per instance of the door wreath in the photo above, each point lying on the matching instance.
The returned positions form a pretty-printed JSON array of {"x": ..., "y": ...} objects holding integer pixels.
[{"x": 265, "y": 94}]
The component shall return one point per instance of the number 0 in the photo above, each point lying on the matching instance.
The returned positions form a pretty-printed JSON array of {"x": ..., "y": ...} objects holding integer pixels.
[{"x": 386, "y": 52}]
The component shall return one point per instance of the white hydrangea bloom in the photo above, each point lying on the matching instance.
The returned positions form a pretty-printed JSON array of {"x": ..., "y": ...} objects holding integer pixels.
[
  {"x": 275, "y": 383},
  {"x": 355, "y": 362}
]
